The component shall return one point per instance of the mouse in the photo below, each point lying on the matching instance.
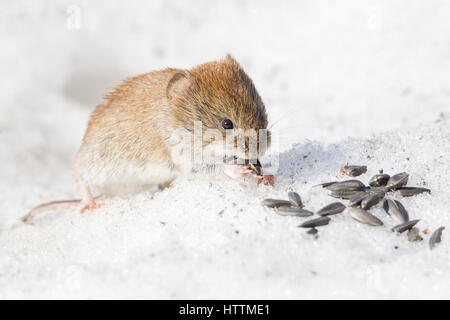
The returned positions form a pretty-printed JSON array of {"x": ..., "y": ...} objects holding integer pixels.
[{"x": 133, "y": 140}]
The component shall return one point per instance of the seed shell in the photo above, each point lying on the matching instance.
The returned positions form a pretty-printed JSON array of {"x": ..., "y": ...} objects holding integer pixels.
[
  {"x": 414, "y": 235},
  {"x": 411, "y": 191},
  {"x": 379, "y": 180},
  {"x": 295, "y": 199},
  {"x": 357, "y": 198},
  {"x": 327, "y": 184},
  {"x": 322, "y": 221},
  {"x": 436, "y": 237},
  {"x": 396, "y": 211},
  {"x": 275, "y": 203},
  {"x": 364, "y": 216},
  {"x": 256, "y": 167},
  {"x": 400, "y": 228},
  {"x": 312, "y": 231},
  {"x": 354, "y": 171},
  {"x": 398, "y": 180},
  {"x": 347, "y": 185},
  {"x": 332, "y": 208},
  {"x": 344, "y": 194},
  {"x": 372, "y": 199},
  {"x": 293, "y": 212}
]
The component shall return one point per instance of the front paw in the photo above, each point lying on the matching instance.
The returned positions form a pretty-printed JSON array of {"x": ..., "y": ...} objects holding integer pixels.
[
  {"x": 266, "y": 179},
  {"x": 235, "y": 171}
]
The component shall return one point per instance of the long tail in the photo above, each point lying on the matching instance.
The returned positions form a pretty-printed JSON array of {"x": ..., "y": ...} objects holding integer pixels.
[
  {"x": 50, "y": 206},
  {"x": 54, "y": 205}
]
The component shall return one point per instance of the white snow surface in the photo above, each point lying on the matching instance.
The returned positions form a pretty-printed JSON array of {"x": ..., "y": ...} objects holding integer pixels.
[{"x": 360, "y": 81}]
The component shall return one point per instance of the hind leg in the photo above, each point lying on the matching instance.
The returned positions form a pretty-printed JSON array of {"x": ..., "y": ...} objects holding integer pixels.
[{"x": 88, "y": 200}]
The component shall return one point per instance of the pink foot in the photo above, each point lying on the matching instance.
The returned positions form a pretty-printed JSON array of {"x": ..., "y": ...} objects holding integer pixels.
[
  {"x": 91, "y": 206},
  {"x": 89, "y": 200},
  {"x": 235, "y": 171},
  {"x": 266, "y": 179}
]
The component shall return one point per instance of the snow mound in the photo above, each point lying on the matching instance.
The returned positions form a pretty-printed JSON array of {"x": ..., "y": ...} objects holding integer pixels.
[{"x": 211, "y": 238}]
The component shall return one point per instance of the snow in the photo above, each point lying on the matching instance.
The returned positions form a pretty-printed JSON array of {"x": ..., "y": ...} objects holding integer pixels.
[{"x": 364, "y": 82}]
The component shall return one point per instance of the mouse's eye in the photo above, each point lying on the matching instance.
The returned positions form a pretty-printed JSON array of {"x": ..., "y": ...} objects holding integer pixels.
[{"x": 227, "y": 124}]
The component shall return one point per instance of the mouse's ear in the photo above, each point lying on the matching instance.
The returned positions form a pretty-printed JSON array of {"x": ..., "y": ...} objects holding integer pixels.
[
  {"x": 230, "y": 59},
  {"x": 178, "y": 83}
]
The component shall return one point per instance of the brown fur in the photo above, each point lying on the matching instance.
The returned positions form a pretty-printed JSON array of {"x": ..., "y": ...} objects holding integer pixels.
[
  {"x": 127, "y": 139},
  {"x": 130, "y": 119},
  {"x": 219, "y": 90},
  {"x": 136, "y": 118}
]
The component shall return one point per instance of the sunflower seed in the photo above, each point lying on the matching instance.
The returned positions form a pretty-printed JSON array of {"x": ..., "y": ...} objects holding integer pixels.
[
  {"x": 354, "y": 171},
  {"x": 398, "y": 180},
  {"x": 364, "y": 216},
  {"x": 356, "y": 199},
  {"x": 295, "y": 199},
  {"x": 400, "y": 228},
  {"x": 379, "y": 180},
  {"x": 322, "y": 221},
  {"x": 411, "y": 191},
  {"x": 327, "y": 184},
  {"x": 293, "y": 212},
  {"x": 396, "y": 211},
  {"x": 414, "y": 235},
  {"x": 312, "y": 231},
  {"x": 275, "y": 203},
  {"x": 255, "y": 167},
  {"x": 332, "y": 208},
  {"x": 436, "y": 237},
  {"x": 384, "y": 189},
  {"x": 344, "y": 194},
  {"x": 372, "y": 199},
  {"x": 347, "y": 185}
]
